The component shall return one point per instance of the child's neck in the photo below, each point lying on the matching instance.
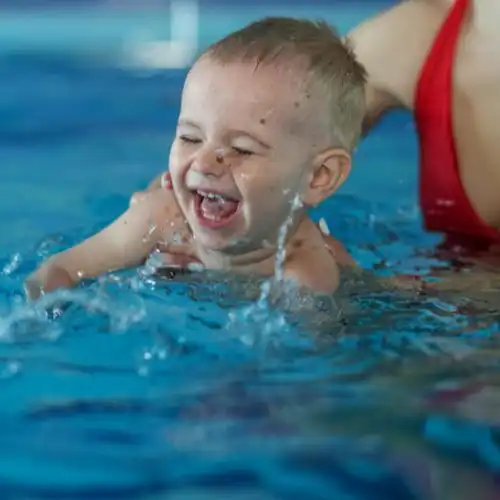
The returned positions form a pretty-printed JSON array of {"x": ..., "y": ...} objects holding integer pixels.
[{"x": 261, "y": 260}]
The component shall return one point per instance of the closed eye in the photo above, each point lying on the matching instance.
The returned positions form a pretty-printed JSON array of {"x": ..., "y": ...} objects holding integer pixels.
[
  {"x": 243, "y": 152},
  {"x": 189, "y": 140}
]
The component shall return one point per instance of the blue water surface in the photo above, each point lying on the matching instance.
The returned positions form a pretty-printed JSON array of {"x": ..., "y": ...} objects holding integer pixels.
[{"x": 188, "y": 388}]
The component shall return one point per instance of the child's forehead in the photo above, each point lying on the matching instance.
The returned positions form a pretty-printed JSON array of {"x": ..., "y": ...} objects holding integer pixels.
[
  {"x": 260, "y": 99},
  {"x": 247, "y": 87}
]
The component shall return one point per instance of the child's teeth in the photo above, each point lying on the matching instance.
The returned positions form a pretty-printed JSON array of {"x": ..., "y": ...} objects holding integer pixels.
[{"x": 212, "y": 196}]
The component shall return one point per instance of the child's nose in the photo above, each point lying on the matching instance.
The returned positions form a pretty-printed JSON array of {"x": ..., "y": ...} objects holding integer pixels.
[{"x": 211, "y": 162}]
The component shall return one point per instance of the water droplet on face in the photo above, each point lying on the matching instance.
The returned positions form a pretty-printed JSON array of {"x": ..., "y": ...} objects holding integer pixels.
[
  {"x": 79, "y": 274},
  {"x": 246, "y": 177}
]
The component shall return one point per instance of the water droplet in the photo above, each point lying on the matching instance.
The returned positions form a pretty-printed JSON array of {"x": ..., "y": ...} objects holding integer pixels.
[
  {"x": 195, "y": 267},
  {"x": 151, "y": 230},
  {"x": 49, "y": 245},
  {"x": 323, "y": 226},
  {"x": 176, "y": 239},
  {"x": 13, "y": 265}
]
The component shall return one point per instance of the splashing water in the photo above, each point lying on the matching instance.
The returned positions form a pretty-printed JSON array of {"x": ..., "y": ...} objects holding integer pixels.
[
  {"x": 12, "y": 265},
  {"x": 259, "y": 314},
  {"x": 282, "y": 236}
]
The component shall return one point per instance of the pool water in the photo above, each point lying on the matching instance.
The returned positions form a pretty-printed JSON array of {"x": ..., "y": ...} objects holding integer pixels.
[{"x": 187, "y": 388}]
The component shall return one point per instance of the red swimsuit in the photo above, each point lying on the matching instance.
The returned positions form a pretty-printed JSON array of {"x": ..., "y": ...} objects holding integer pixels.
[{"x": 445, "y": 205}]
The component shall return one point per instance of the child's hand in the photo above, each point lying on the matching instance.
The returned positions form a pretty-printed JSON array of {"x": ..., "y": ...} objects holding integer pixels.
[{"x": 47, "y": 279}]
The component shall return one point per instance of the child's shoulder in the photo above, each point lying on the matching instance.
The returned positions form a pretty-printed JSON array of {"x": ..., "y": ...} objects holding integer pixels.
[{"x": 314, "y": 259}]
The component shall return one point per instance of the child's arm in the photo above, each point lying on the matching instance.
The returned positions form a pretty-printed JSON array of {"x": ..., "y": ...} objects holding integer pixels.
[{"x": 125, "y": 243}]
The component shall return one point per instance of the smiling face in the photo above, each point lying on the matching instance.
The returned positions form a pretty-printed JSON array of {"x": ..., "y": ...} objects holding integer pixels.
[{"x": 241, "y": 154}]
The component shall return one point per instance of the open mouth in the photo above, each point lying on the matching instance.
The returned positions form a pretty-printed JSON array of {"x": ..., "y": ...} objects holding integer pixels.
[{"x": 214, "y": 210}]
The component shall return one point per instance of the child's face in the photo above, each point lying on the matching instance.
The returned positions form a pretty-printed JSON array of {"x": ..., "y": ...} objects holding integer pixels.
[{"x": 240, "y": 155}]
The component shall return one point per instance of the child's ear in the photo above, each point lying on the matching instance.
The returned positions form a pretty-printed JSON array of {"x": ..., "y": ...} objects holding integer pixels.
[{"x": 329, "y": 171}]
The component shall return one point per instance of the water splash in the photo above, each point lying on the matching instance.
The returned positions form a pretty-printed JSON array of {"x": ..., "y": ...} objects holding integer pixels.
[
  {"x": 50, "y": 245},
  {"x": 150, "y": 268},
  {"x": 260, "y": 322},
  {"x": 282, "y": 236},
  {"x": 12, "y": 265}
]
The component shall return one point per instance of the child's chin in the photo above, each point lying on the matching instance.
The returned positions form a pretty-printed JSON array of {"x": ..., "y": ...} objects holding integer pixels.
[
  {"x": 217, "y": 243},
  {"x": 212, "y": 242}
]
